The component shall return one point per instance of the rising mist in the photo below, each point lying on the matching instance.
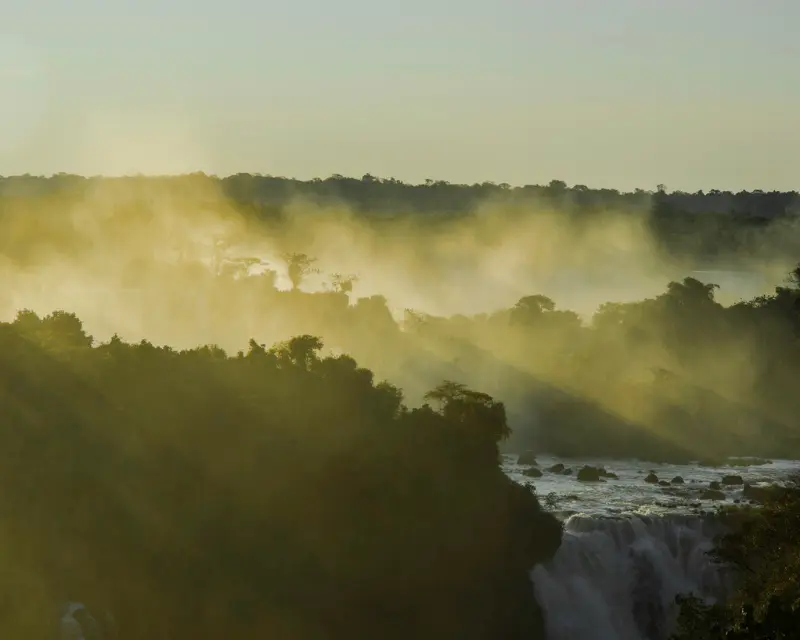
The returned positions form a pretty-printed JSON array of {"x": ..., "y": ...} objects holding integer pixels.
[{"x": 417, "y": 298}]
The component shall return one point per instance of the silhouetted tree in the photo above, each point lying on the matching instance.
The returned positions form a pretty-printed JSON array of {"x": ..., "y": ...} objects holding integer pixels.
[
  {"x": 299, "y": 265},
  {"x": 529, "y": 309},
  {"x": 342, "y": 283},
  {"x": 473, "y": 409}
]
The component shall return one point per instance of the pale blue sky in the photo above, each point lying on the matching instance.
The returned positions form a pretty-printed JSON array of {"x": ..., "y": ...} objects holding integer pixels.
[{"x": 621, "y": 93}]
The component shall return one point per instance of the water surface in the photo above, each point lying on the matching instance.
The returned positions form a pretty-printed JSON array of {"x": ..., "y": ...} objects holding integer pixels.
[{"x": 630, "y": 494}]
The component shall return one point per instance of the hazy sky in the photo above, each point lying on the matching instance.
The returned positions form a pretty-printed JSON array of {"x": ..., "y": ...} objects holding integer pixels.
[{"x": 621, "y": 93}]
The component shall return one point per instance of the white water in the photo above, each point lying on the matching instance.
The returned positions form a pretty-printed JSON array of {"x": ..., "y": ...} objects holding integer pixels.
[
  {"x": 616, "y": 579},
  {"x": 630, "y": 547},
  {"x": 630, "y": 494}
]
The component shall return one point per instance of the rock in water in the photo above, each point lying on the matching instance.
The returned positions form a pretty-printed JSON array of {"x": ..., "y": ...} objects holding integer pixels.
[{"x": 590, "y": 474}]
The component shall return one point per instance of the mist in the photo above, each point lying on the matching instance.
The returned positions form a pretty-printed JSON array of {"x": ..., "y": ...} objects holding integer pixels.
[
  {"x": 176, "y": 261},
  {"x": 96, "y": 251}
]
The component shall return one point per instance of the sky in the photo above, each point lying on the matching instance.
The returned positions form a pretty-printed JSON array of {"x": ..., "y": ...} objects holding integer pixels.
[{"x": 606, "y": 93}]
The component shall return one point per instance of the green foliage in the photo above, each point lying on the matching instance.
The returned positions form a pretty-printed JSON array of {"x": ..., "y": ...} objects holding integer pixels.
[
  {"x": 763, "y": 551},
  {"x": 278, "y": 493},
  {"x": 676, "y": 377},
  {"x": 482, "y": 418}
]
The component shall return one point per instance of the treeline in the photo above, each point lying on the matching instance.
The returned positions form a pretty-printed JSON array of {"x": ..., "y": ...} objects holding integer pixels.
[
  {"x": 703, "y": 226},
  {"x": 674, "y": 377},
  {"x": 371, "y": 194},
  {"x": 277, "y": 493}
]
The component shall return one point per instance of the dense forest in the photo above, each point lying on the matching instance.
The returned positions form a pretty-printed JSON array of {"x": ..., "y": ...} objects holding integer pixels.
[
  {"x": 709, "y": 227},
  {"x": 277, "y": 493},
  {"x": 674, "y": 376}
]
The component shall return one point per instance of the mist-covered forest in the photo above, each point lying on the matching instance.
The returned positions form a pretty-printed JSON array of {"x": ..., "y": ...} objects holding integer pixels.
[
  {"x": 709, "y": 227},
  {"x": 254, "y": 406},
  {"x": 668, "y": 374}
]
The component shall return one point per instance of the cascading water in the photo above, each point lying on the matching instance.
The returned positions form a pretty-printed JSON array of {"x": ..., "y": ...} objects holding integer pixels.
[{"x": 616, "y": 579}]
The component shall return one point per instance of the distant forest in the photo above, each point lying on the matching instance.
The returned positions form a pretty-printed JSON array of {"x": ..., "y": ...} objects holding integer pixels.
[{"x": 705, "y": 226}]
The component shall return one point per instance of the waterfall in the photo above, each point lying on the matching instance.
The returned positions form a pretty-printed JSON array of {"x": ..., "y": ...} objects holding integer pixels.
[{"x": 616, "y": 579}]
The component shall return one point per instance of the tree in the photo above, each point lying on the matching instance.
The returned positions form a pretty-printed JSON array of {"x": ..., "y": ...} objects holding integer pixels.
[
  {"x": 691, "y": 292},
  {"x": 299, "y": 351},
  {"x": 794, "y": 278},
  {"x": 610, "y": 315},
  {"x": 27, "y": 321},
  {"x": 343, "y": 284},
  {"x": 64, "y": 329},
  {"x": 299, "y": 266},
  {"x": 446, "y": 392},
  {"x": 473, "y": 409},
  {"x": 530, "y": 309}
]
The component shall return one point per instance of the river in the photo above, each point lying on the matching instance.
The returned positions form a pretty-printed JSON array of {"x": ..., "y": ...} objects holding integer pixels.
[{"x": 629, "y": 546}]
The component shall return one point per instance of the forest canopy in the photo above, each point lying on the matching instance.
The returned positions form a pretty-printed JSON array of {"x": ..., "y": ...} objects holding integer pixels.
[
  {"x": 274, "y": 493},
  {"x": 708, "y": 226},
  {"x": 684, "y": 371}
]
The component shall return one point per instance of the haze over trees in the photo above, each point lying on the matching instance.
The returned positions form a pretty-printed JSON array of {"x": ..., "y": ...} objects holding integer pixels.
[
  {"x": 344, "y": 482},
  {"x": 709, "y": 226},
  {"x": 278, "y": 492},
  {"x": 674, "y": 376}
]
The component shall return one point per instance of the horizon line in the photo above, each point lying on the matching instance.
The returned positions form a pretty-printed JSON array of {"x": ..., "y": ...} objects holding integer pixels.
[{"x": 367, "y": 178}]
